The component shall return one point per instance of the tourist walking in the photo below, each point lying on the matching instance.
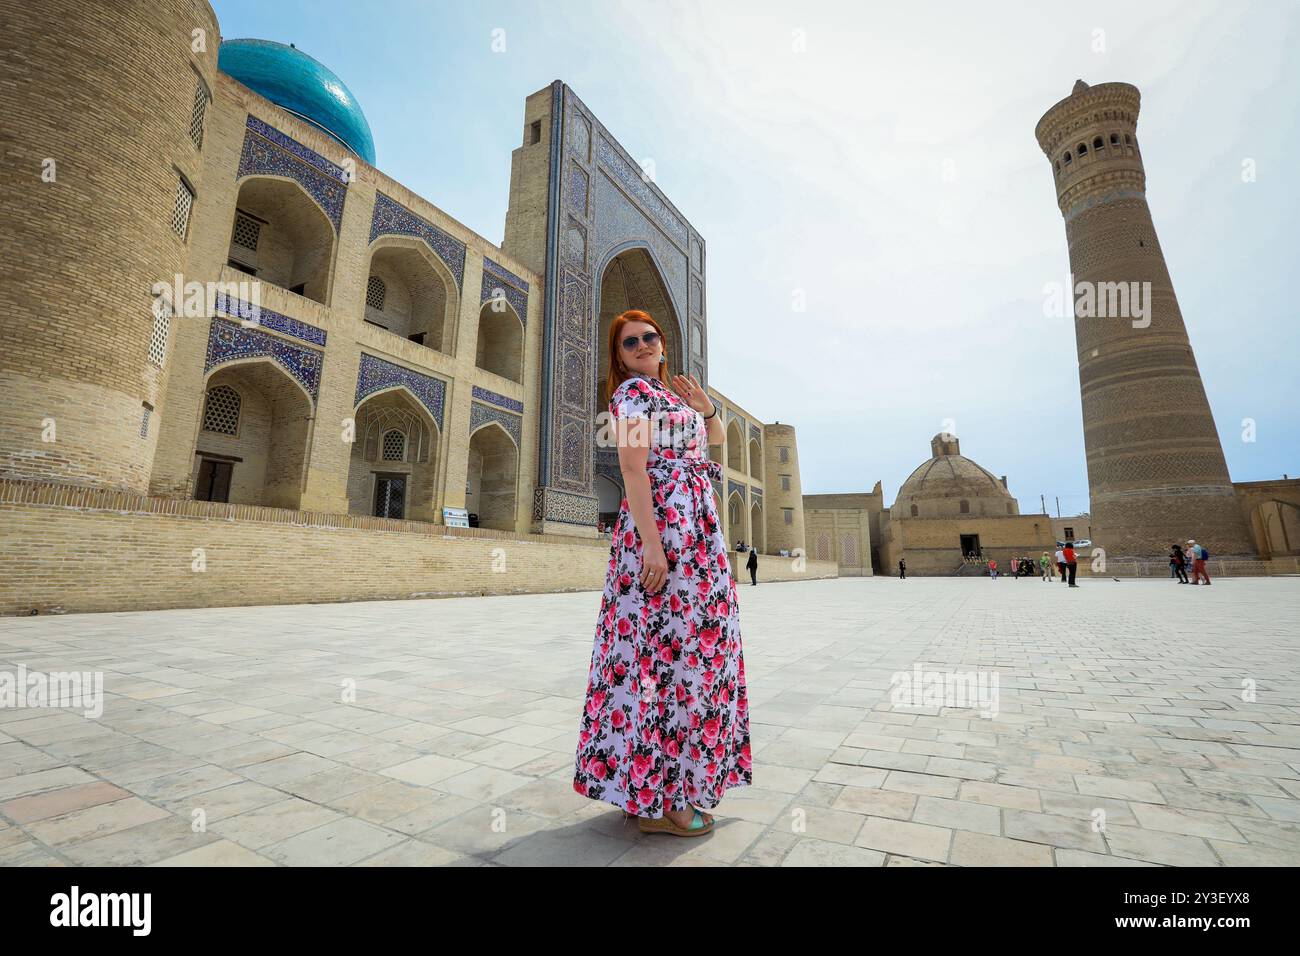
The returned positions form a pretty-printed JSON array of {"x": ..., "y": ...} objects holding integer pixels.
[
  {"x": 993, "y": 570},
  {"x": 1199, "y": 567},
  {"x": 1071, "y": 563},
  {"x": 752, "y": 564},
  {"x": 902, "y": 569},
  {"x": 1015, "y": 568},
  {"x": 664, "y": 730},
  {"x": 1178, "y": 563},
  {"x": 1045, "y": 566},
  {"x": 1060, "y": 564}
]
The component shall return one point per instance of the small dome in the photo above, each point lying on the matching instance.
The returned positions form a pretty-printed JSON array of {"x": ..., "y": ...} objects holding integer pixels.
[
  {"x": 296, "y": 82},
  {"x": 938, "y": 487}
]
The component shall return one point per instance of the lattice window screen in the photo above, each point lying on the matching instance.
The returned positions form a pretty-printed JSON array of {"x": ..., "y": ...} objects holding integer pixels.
[{"x": 221, "y": 412}]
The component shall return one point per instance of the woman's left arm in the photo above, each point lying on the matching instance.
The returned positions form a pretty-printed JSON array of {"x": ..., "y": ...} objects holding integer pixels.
[{"x": 717, "y": 434}]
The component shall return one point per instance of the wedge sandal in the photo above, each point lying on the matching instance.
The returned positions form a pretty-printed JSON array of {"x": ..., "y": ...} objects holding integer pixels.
[{"x": 697, "y": 827}]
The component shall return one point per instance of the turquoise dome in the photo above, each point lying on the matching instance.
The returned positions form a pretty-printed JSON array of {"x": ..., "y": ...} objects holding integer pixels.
[{"x": 296, "y": 82}]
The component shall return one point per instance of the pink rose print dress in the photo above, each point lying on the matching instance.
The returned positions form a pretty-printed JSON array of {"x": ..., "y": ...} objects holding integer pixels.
[{"x": 666, "y": 718}]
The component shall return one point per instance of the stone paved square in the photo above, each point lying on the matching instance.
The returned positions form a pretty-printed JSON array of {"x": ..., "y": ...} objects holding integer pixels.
[{"x": 1137, "y": 722}]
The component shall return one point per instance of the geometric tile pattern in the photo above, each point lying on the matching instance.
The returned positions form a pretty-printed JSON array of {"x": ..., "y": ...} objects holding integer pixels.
[
  {"x": 513, "y": 289},
  {"x": 270, "y": 319},
  {"x": 493, "y": 398},
  {"x": 267, "y": 151},
  {"x": 375, "y": 374},
  {"x": 228, "y": 341},
  {"x": 392, "y": 218},
  {"x": 480, "y": 414}
]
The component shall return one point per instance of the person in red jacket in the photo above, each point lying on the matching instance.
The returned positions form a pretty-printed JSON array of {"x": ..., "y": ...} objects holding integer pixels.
[{"x": 1071, "y": 562}]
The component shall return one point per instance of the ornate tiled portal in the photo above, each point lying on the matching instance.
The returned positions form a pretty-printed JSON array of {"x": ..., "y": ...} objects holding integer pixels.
[{"x": 602, "y": 203}]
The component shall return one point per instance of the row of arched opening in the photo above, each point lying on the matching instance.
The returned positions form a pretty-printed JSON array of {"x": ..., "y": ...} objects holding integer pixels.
[
  {"x": 736, "y": 449},
  {"x": 755, "y": 534},
  {"x": 1115, "y": 144},
  {"x": 255, "y": 437},
  {"x": 282, "y": 236}
]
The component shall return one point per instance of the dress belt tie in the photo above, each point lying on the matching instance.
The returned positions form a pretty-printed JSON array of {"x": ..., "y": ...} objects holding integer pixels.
[{"x": 700, "y": 470}]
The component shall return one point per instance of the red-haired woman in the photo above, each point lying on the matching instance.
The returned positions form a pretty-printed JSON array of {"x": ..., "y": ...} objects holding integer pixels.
[{"x": 665, "y": 725}]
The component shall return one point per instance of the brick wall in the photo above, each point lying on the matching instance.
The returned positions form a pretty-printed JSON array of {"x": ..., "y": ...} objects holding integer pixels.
[
  {"x": 109, "y": 551},
  {"x": 105, "y": 93}
]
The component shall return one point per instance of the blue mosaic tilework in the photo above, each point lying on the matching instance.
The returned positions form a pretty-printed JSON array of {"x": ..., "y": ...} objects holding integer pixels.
[
  {"x": 494, "y": 399},
  {"x": 733, "y": 487},
  {"x": 282, "y": 156},
  {"x": 756, "y": 433},
  {"x": 717, "y": 488},
  {"x": 553, "y": 505},
  {"x": 629, "y": 177},
  {"x": 734, "y": 416},
  {"x": 607, "y": 464},
  {"x": 270, "y": 319},
  {"x": 480, "y": 414},
  {"x": 574, "y": 305},
  {"x": 228, "y": 341},
  {"x": 577, "y": 189},
  {"x": 513, "y": 288},
  {"x": 756, "y": 494},
  {"x": 392, "y": 218},
  {"x": 298, "y": 149},
  {"x": 375, "y": 375},
  {"x": 580, "y": 137},
  {"x": 575, "y": 244},
  {"x": 504, "y": 273}
]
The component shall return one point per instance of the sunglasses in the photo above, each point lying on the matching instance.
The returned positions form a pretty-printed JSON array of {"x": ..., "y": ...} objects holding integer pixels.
[{"x": 649, "y": 338}]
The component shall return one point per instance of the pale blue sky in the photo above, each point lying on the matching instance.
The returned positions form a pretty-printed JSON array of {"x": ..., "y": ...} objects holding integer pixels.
[{"x": 823, "y": 171}]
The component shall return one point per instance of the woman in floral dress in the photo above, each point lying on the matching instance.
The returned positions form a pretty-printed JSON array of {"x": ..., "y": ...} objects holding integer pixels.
[{"x": 665, "y": 724}]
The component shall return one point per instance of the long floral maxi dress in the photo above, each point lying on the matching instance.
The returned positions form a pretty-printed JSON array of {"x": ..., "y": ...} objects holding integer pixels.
[{"x": 666, "y": 719}]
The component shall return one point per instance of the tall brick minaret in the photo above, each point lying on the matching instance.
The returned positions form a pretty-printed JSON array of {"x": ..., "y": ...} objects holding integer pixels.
[{"x": 1156, "y": 471}]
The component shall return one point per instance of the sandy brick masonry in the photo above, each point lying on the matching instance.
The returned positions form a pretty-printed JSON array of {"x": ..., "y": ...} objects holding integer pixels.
[
  {"x": 69, "y": 548},
  {"x": 1155, "y": 460}
]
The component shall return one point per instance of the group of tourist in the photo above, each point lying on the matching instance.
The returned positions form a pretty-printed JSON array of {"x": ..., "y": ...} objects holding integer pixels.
[
  {"x": 1194, "y": 556},
  {"x": 1065, "y": 561},
  {"x": 1023, "y": 567}
]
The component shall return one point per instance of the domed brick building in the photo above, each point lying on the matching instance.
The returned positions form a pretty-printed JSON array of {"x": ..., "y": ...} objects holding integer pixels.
[
  {"x": 951, "y": 507},
  {"x": 948, "y": 508},
  {"x": 950, "y": 485}
]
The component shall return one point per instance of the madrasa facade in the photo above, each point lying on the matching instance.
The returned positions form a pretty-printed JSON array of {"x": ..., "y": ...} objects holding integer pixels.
[{"x": 217, "y": 306}]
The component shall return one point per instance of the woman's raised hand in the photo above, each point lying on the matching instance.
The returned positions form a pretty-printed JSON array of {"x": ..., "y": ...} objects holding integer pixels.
[{"x": 692, "y": 393}]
